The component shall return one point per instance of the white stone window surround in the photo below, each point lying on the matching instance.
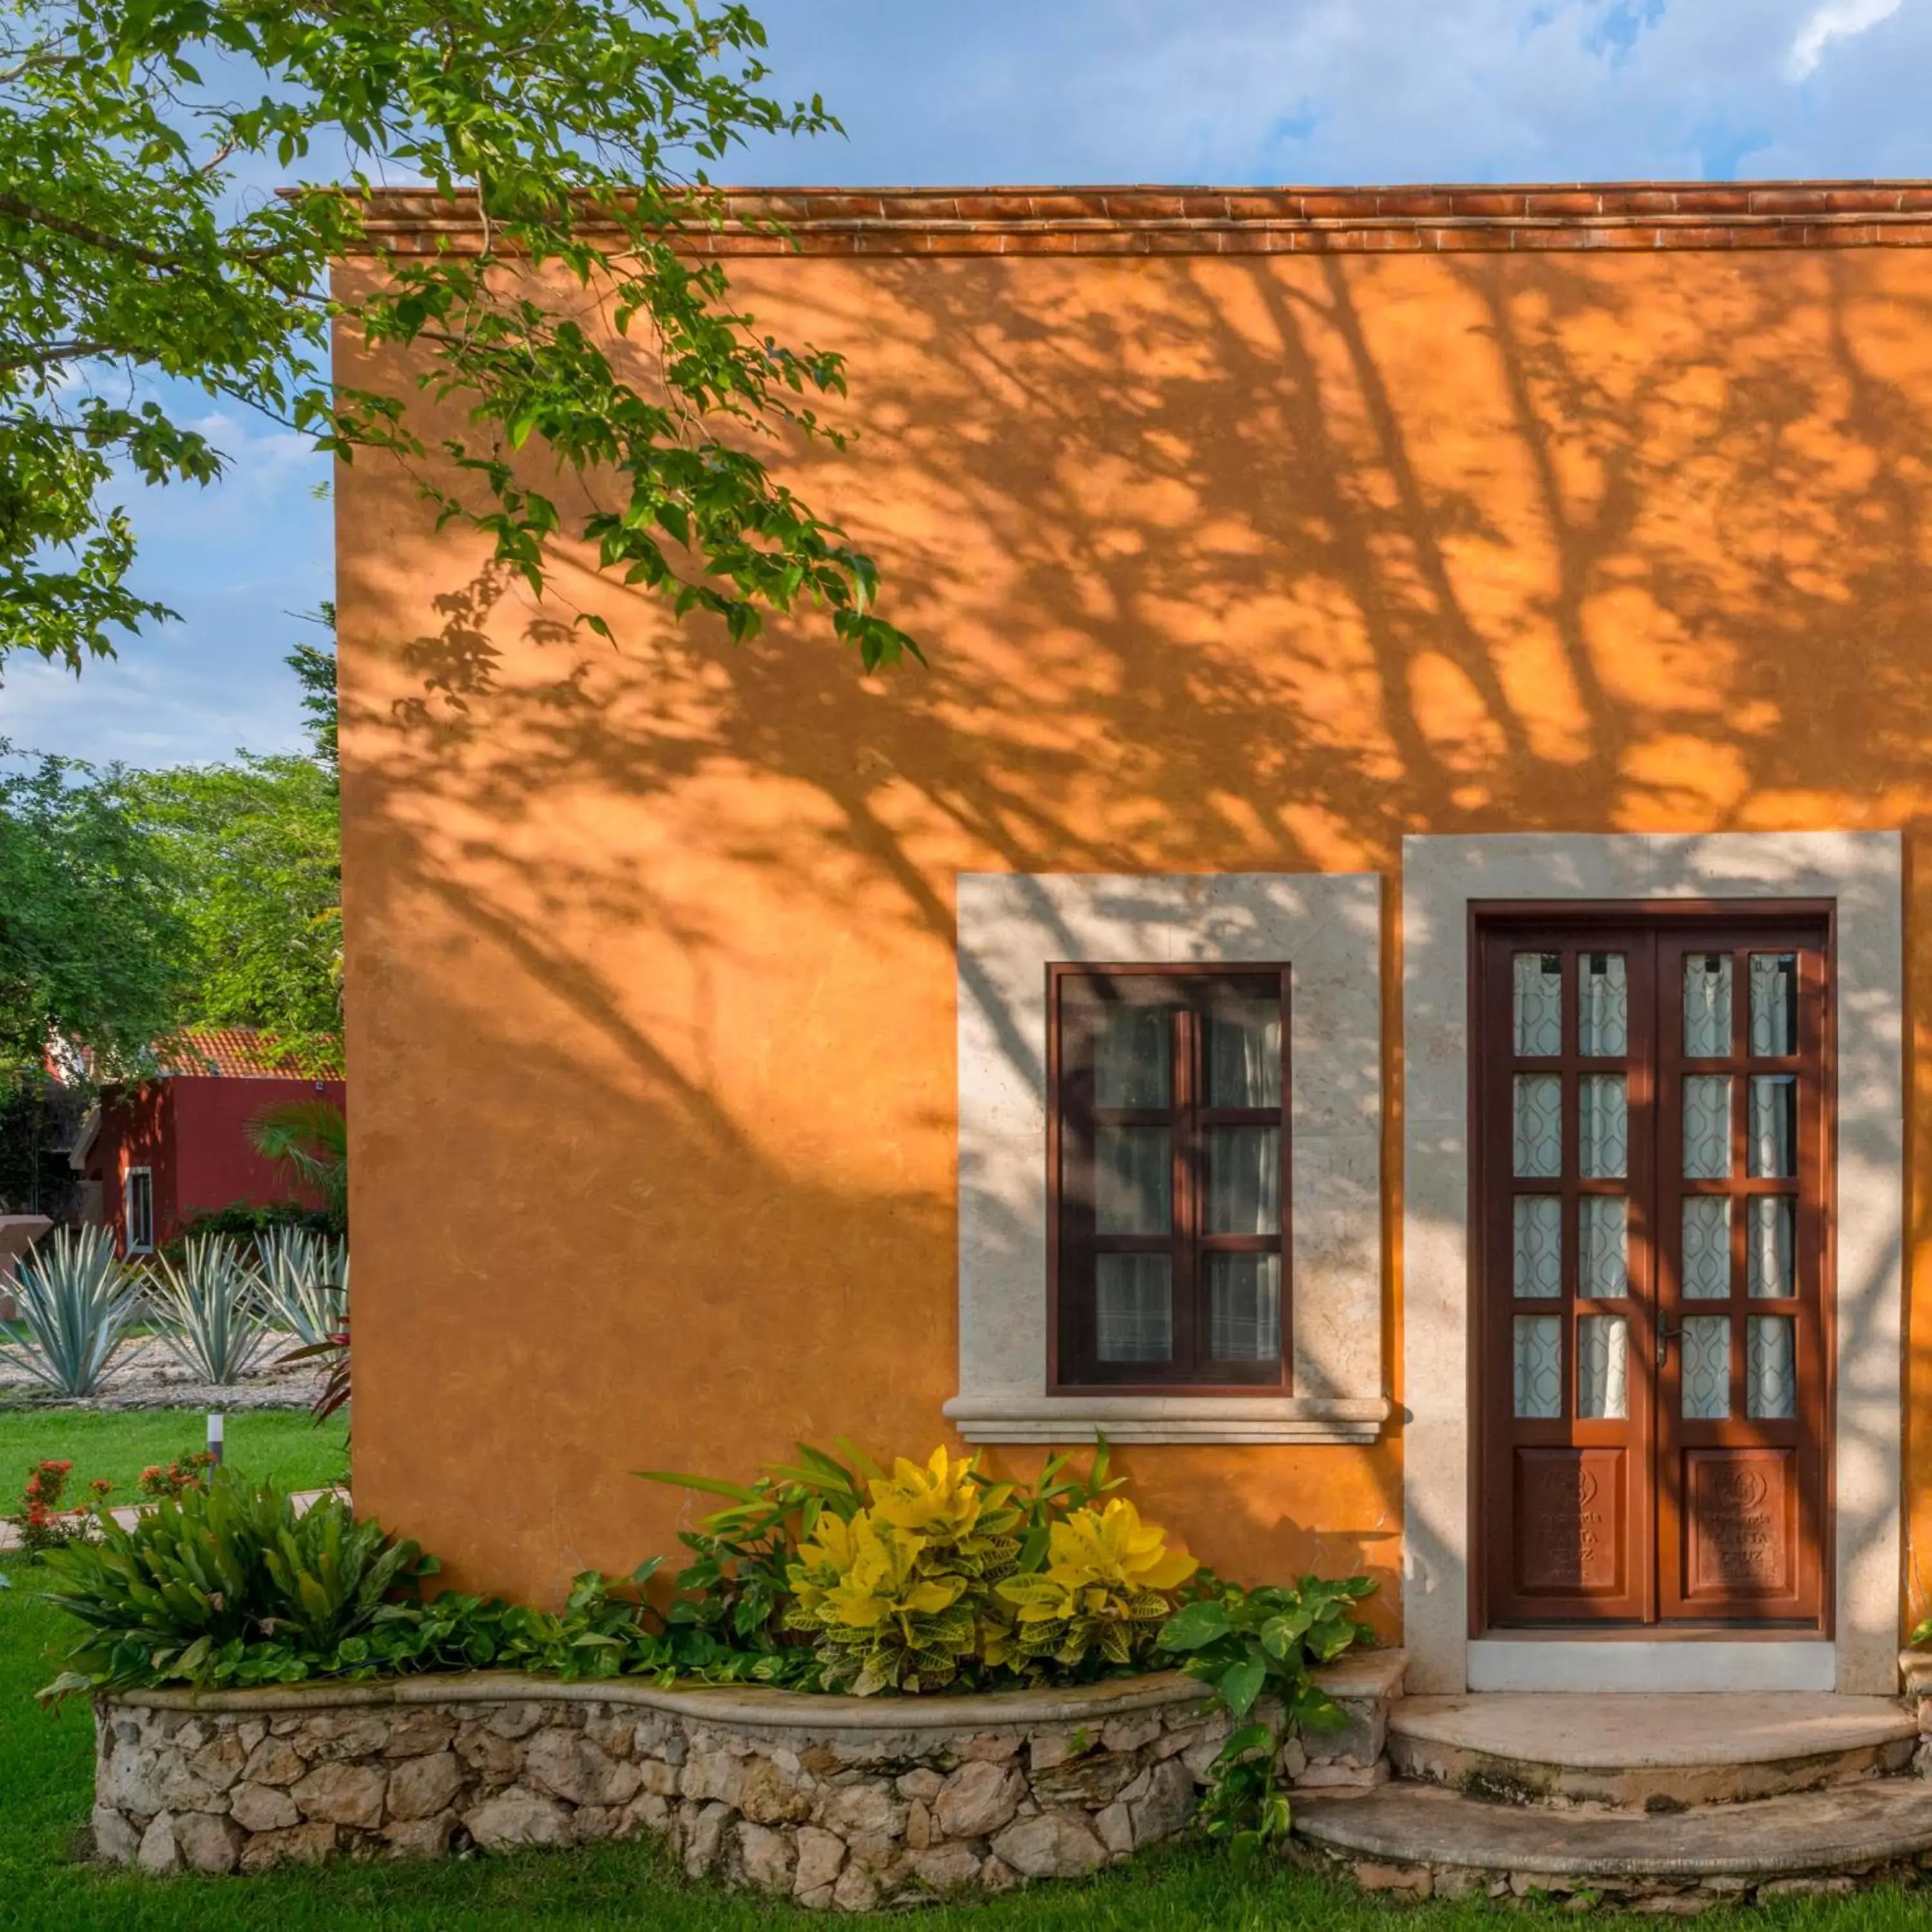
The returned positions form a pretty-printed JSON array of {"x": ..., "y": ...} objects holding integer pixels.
[
  {"x": 1327, "y": 927},
  {"x": 1443, "y": 878}
]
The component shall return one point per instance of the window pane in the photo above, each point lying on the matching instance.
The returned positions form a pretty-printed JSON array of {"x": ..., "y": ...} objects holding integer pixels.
[
  {"x": 1771, "y": 1246},
  {"x": 1244, "y": 1307},
  {"x": 1539, "y": 1125},
  {"x": 1707, "y": 1367},
  {"x": 1770, "y": 1367},
  {"x": 1603, "y": 1127},
  {"x": 1707, "y": 1247},
  {"x": 1603, "y": 1244},
  {"x": 1603, "y": 1368},
  {"x": 1603, "y": 1004},
  {"x": 1538, "y": 1005},
  {"x": 1243, "y": 1180},
  {"x": 1133, "y": 1181},
  {"x": 1539, "y": 1246},
  {"x": 1133, "y": 1308},
  {"x": 1772, "y": 1146},
  {"x": 1707, "y": 1127},
  {"x": 1243, "y": 1052},
  {"x": 1130, "y": 1056},
  {"x": 1707, "y": 1006},
  {"x": 1539, "y": 1365},
  {"x": 1774, "y": 1002}
]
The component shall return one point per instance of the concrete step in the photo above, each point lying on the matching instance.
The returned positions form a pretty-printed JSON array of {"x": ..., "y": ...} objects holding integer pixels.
[
  {"x": 1421, "y": 1838},
  {"x": 1646, "y": 1753}
]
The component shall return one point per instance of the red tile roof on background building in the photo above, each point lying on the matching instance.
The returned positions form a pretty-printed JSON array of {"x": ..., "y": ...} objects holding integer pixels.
[{"x": 241, "y": 1053}]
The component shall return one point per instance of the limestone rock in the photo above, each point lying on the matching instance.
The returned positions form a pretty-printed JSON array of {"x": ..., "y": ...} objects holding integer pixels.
[
  {"x": 208, "y": 1843},
  {"x": 768, "y": 1794},
  {"x": 1085, "y": 1782},
  {"x": 416, "y": 1733},
  {"x": 334, "y": 1736},
  {"x": 1116, "y": 1828},
  {"x": 421, "y": 1837},
  {"x": 923, "y": 1783},
  {"x": 305, "y": 1845},
  {"x": 857, "y": 1890},
  {"x": 218, "y": 1763},
  {"x": 1130, "y": 1733},
  {"x": 863, "y": 1810},
  {"x": 947, "y": 1868},
  {"x": 337, "y": 1793},
  {"x": 273, "y": 1761},
  {"x": 263, "y": 1807},
  {"x": 1049, "y": 1750},
  {"x": 158, "y": 1852},
  {"x": 1055, "y": 1844},
  {"x": 567, "y": 1764},
  {"x": 702, "y": 1831},
  {"x": 514, "y": 1720},
  {"x": 995, "y": 1875},
  {"x": 978, "y": 1799},
  {"x": 819, "y": 1856},
  {"x": 420, "y": 1787},
  {"x": 767, "y": 1859},
  {"x": 991, "y": 1747},
  {"x": 1167, "y": 1807},
  {"x": 126, "y": 1779},
  {"x": 494, "y": 1759},
  {"x": 115, "y": 1840},
  {"x": 1412, "y": 1879},
  {"x": 518, "y": 1817}
]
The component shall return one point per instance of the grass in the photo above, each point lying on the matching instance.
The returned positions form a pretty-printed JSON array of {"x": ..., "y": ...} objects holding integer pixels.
[
  {"x": 119, "y": 1444},
  {"x": 45, "y": 1790}
]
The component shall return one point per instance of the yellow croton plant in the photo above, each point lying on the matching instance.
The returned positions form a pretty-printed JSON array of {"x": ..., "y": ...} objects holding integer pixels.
[{"x": 926, "y": 1582}]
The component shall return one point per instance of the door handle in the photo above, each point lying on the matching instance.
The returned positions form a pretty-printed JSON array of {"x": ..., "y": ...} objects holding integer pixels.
[{"x": 1665, "y": 1335}]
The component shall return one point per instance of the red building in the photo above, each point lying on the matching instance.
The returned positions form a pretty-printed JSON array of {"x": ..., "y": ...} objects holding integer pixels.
[{"x": 156, "y": 1153}]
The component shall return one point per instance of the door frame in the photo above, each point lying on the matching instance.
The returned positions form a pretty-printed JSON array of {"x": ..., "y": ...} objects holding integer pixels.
[
  {"x": 1654, "y": 1504},
  {"x": 1445, "y": 879}
]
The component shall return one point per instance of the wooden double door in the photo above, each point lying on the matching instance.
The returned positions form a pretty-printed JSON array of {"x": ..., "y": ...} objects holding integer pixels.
[{"x": 1652, "y": 1173}]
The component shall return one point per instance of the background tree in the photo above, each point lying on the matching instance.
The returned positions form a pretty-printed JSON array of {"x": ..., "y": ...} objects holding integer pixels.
[{"x": 135, "y": 243}]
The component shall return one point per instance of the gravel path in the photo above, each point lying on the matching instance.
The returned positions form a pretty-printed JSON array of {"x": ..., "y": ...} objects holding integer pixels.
[{"x": 145, "y": 1375}]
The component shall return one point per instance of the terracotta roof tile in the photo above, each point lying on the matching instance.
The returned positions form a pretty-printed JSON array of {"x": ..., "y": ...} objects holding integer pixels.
[{"x": 238, "y": 1053}]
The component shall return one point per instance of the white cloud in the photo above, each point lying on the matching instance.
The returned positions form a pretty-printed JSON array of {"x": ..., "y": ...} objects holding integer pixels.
[{"x": 1835, "y": 20}]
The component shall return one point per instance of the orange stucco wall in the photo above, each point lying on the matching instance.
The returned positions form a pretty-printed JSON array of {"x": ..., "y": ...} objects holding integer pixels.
[{"x": 1221, "y": 564}]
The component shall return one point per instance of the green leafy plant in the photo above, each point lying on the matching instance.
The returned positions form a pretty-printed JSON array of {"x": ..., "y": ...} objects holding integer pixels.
[
  {"x": 305, "y": 1283},
  {"x": 1257, "y": 1649},
  {"x": 180, "y": 1595},
  {"x": 208, "y": 1308},
  {"x": 900, "y": 1597},
  {"x": 76, "y": 1299},
  {"x": 1109, "y": 1580},
  {"x": 310, "y": 1139}
]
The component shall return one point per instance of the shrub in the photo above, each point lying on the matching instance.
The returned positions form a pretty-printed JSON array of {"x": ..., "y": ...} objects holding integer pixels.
[
  {"x": 76, "y": 1300},
  {"x": 209, "y": 1310},
  {"x": 171, "y": 1481},
  {"x": 43, "y": 1523},
  {"x": 1262, "y": 1644}
]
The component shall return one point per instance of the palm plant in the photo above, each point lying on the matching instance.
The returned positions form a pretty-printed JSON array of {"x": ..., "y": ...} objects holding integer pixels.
[
  {"x": 209, "y": 1311},
  {"x": 310, "y": 1139},
  {"x": 305, "y": 1282},
  {"x": 76, "y": 1298}
]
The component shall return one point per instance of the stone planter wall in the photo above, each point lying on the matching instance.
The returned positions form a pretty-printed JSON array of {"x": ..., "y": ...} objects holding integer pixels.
[{"x": 836, "y": 1802}]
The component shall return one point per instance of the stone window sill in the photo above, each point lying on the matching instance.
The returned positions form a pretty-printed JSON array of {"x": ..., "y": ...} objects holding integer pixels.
[{"x": 1067, "y": 1419}]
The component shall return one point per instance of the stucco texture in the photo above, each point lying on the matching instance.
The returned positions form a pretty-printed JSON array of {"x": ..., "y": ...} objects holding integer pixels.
[{"x": 1221, "y": 564}]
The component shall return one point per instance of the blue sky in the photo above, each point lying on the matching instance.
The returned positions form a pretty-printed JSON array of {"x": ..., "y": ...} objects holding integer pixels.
[{"x": 1085, "y": 91}]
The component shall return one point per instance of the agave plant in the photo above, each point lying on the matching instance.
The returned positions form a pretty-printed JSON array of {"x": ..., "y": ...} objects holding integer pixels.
[
  {"x": 305, "y": 1283},
  {"x": 209, "y": 1310},
  {"x": 76, "y": 1298}
]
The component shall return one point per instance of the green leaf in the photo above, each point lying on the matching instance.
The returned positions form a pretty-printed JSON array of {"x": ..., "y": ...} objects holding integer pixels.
[
  {"x": 1240, "y": 1684},
  {"x": 1193, "y": 1626}
]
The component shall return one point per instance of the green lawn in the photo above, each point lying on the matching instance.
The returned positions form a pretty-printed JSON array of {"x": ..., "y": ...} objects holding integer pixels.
[
  {"x": 45, "y": 1767},
  {"x": 119, "y": 1445}
]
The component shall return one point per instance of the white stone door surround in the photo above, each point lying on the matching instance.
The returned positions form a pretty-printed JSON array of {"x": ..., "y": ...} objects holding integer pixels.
[{"x": 1443, "y": 878}]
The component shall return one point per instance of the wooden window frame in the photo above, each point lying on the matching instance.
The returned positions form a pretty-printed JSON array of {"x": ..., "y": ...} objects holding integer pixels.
[
  {"x": 1072, "y": 1366},
  {"x": 134, "y": 1247}
]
